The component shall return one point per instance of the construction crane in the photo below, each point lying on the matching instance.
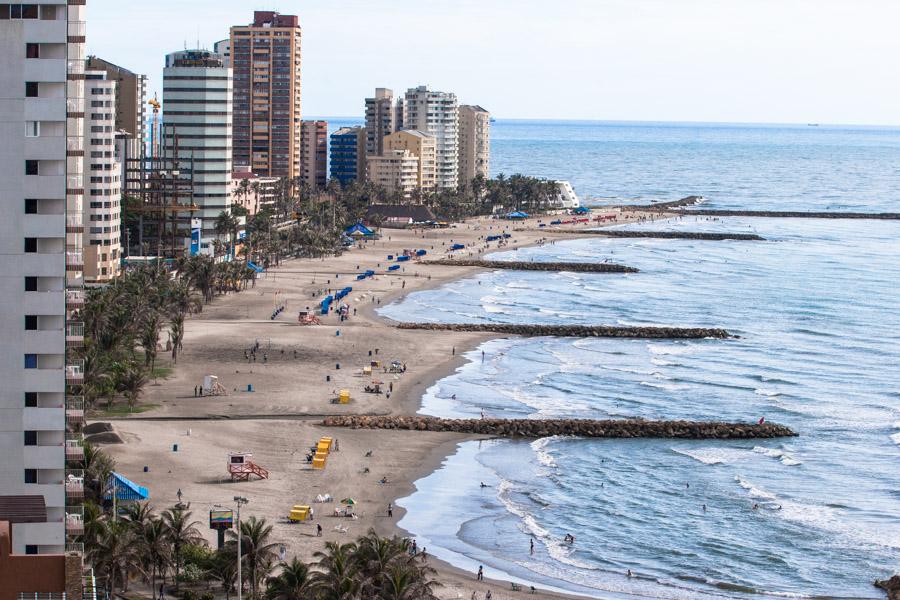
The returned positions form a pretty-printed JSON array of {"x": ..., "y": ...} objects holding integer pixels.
[{"x": 155, "y": 104}]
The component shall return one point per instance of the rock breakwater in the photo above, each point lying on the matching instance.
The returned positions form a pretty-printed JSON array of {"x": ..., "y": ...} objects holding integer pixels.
[
  {"x": 537, "y": 428},
  {"x": 675, "y": 235},
  {"x": 613, "y": 331},
  {"x": 536, "y": 266},
  {"x": 777, "y": 214}
]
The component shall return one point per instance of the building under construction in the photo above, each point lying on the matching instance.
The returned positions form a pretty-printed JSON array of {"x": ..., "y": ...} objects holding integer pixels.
[{"x": 159, "y": 204}]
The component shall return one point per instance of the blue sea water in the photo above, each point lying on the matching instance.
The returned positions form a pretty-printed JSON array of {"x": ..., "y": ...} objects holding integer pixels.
[{"x": 815, "y": 306}]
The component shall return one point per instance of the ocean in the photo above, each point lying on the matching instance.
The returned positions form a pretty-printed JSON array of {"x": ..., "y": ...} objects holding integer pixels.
[{"x": 815, "y": 306}]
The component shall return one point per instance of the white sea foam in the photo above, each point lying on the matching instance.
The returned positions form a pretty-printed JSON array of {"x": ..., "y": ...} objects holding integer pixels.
[
  {"x": 669, "y": 387},
  {"x": 754, "y": 491},
  {"x": 668, "y": 349},
  {"x": 895, "y": 437},
  {"x": 765, "y": 392},
  {"x": 787, "y": 460},
  {"x": 540, "y": 450},
  {"x": 713, "y": 455},
  {"x": 556, "y": 548}
]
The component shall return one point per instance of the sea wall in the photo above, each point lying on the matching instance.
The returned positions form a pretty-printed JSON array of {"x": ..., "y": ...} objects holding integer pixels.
[
  {"x": 613, "y": 331},
  {"x": 536, "y": 266},
  {"x": 679, "y": 235},
  {"x": 536, "y": 428}
]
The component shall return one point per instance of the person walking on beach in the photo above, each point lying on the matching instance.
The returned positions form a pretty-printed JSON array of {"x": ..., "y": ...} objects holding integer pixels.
[
  {"x": 488, "y": 595},
  {"x": 390, "y": 509},
  {"x": 532, "y": 546},
  {"x": 318, "y": 530},
  {"x": 480, "y": 576}
]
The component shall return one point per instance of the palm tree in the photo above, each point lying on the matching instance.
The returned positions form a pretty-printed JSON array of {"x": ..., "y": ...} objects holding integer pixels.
[
  {"x": 180, "y": 531},
  {"x": 295, "y": 582},
  {"x": 150, "y": 327},
  {"x": 155, "y": 550},
  {"x": 182, "y": 302},
  {"x": 98, "y": 466},
  {"x": 131, "y": 381},
  {"x": 336, "y": 578},
  {"x": 223, "y": 568},
  {"x": 401, "y": 582},
  {"x": 137, "y": 514},
  {"x": 116, "y": 555},
  {"x": 257, "y": 550}
]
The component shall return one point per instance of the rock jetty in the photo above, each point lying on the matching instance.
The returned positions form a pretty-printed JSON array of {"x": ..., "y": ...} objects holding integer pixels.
[
  {"x": 891, "y": 586},
  {"x": 537, "y": 428},
  {"x": 536, "y": 266},
  {"x": 777, "y": 214},
  {"x": 607, "y": 331},
  {"x": 674, "y": 235}
]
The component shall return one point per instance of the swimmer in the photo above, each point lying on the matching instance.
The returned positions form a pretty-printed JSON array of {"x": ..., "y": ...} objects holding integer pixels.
[{"x": 483, "y": 484}]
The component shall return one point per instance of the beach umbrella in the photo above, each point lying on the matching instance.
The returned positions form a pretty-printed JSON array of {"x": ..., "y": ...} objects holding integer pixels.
[{"x": 348, "y": 501}]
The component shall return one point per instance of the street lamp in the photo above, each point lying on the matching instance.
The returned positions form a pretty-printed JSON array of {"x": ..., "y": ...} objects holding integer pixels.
[{"x": 239, "y": 500}]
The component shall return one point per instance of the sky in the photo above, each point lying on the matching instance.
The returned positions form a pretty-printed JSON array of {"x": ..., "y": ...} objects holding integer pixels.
[{"x": 748, "y": 61}]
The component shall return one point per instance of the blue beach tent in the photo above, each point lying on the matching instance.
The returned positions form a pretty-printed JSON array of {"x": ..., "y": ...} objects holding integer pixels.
[
  {"x": 518, "y": 214},
  {"x": 393, "y": 267},
  {"x": 581, "y": 210},
  {"x": 125, "y": 489},
  {"x": 359, "y": 230}
]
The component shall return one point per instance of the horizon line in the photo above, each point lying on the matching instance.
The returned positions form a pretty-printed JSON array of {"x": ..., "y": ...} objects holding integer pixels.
[{"x": 652, "y": 122}]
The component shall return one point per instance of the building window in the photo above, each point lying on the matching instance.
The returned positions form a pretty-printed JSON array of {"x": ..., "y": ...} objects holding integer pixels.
[
  {"x": 31, "y": 361},
  {"x": 31, "y": 206},
  {"x": 32, "y": 129},
  {"x": 31, "y": 399},
  {"x": 31, "y": 322},
  {"x": 30, "y": 245},
  {"x": 31, "y": 284},
  {"x": 30, "y": 475},
  {"x": 31, "y": 549},
  {"x": 32, "y": 50},
  {"x": 31, "y": 167},
  {"x": 30, "y": 438},
  {"x": 31, "y": 89}
]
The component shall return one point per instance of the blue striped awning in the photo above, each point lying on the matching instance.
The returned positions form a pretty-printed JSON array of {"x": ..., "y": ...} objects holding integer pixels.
[{"x": 125, "y": 489}]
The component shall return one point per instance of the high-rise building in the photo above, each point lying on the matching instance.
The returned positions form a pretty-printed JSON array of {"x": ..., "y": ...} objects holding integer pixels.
[
  {"x": 197, "y": 130},
  {"x": 103, "y": 181},
  {"x": 348, "y": 154},
  {"x": 42, "y": 188},
  {"x": 420, "y": 145},
  {"x": 265, "y": 57},
  {"x": 130, "y": 103},
  {"x": 396, "y": 171},
  {"x": 474, "y": 143},
  {"x": 314, "y": 153},
  {"x": 384, "y": 116},
  {"x": 436, "y": 113}
]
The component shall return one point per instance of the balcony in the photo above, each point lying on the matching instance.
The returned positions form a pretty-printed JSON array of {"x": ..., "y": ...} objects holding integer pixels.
[
  {"x": 74, "y": 299},
  {"x": 75, "y": 409},
  {"x": 74, "y": 520},
  {"x": 74, "y": 548},
  {"x": 74, "y": 260},
  {"x": 74, "y": 334},
  {"x": 74, "y": 484},
  {"x": 74, "y": 224},
  {"x": 75, "y": 372},
  {"x": 74, "y": 448}
]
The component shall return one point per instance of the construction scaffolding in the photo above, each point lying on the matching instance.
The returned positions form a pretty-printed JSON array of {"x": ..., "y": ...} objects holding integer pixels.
[{"x": 160, "y": 198}]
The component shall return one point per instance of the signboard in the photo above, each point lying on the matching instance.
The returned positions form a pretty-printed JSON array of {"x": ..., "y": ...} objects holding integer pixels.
[
  {"x": 195, "y": 236},
  {"x": 221, "y": 519}
]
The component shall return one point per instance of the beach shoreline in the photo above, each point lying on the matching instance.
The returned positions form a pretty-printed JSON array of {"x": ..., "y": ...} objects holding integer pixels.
[{"x": 304, "y": 360}]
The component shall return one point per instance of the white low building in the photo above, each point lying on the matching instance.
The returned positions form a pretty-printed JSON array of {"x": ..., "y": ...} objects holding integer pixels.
[{"x": 566, "y": 197}]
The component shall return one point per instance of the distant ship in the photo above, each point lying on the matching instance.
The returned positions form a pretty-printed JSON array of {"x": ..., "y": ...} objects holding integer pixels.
[
  {"x": 812, "y": 124},
  {"x": 493, "y": 120}
]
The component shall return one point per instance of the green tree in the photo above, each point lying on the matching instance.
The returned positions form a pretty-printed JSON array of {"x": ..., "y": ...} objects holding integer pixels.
[{"x": 180, "y": 531}]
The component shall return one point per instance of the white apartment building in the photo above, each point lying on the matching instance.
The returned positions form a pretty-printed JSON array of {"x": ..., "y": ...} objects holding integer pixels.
[
  {"x": 103, "y": 181},
  {"x": 384, "y": 116},
  {"x": 395, "y": 171},
  {"x": 474, "y": 143},
  {"x": 436, "y": 113},
  {"x": 421, "y": 145},
  {"x": 41, "y": 185},
  {"x": 197, "y": 130}
]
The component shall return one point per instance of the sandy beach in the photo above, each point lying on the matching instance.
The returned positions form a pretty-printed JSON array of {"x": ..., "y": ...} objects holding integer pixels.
[{"x": 293, "y": 379}]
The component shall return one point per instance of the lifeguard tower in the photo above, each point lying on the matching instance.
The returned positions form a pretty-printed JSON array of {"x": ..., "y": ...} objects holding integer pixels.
[
  {"x": 241, "y": 467},
  {"x": 212, "y": 387}
]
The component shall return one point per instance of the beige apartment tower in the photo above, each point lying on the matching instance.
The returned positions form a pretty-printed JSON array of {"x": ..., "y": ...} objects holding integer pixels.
[
  {"x": 397, "y": 171},
  {"x": 420, "y": 145},
  {"x": 314, "y": 153},
  {"x": 384, "y": 116},
  {"x": 265, "y": 59},
  {"x": 474, "y": 143}
]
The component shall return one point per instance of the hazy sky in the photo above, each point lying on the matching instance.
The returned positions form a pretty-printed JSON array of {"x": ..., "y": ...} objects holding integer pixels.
[{"x": 780, "y": 61}]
